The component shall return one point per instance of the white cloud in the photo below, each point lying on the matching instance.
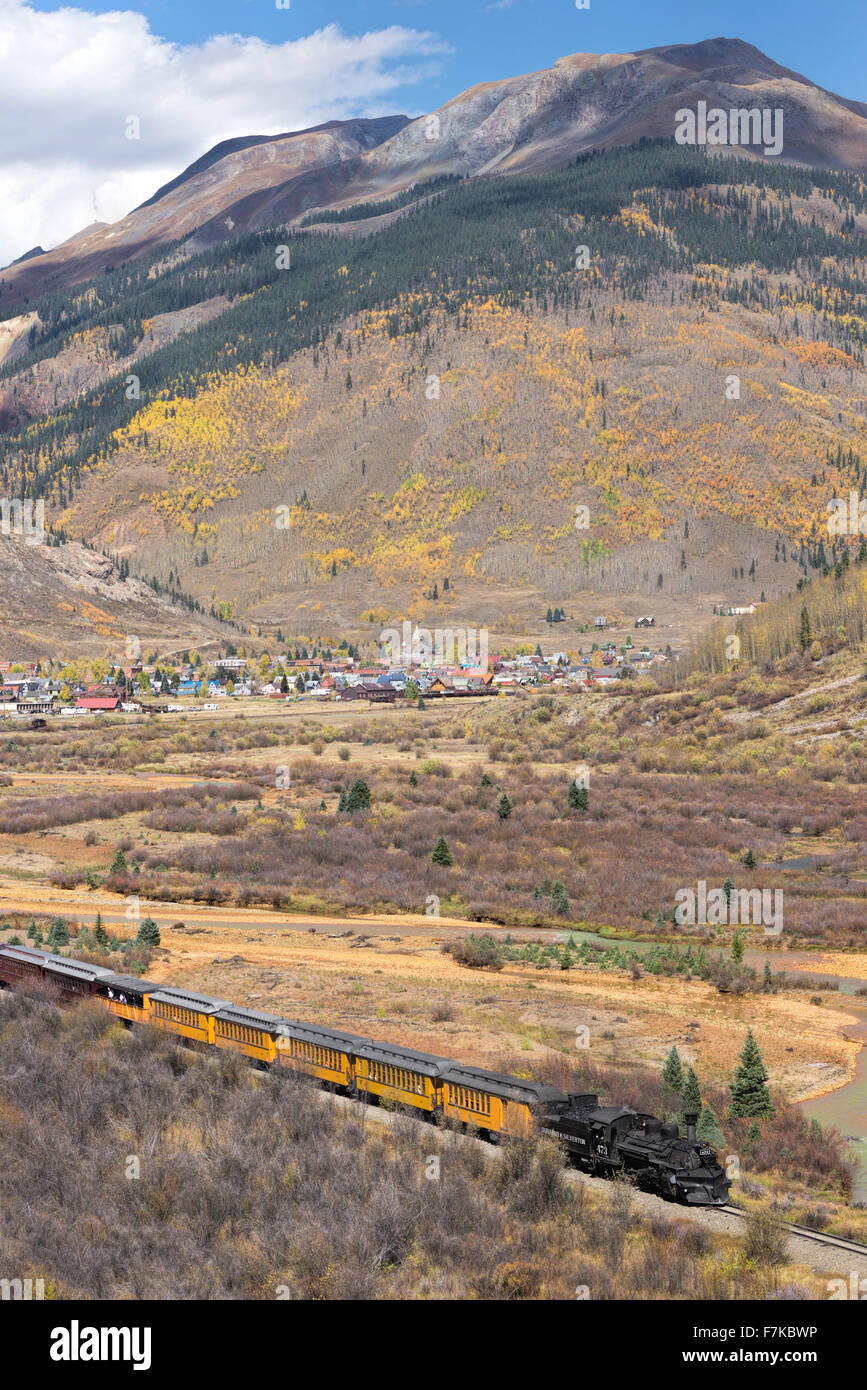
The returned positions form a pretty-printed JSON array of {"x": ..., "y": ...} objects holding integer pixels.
[{"x": 70, "y": 80}]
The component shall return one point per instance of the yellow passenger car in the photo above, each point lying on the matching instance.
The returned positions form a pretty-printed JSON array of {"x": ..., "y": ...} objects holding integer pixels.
[
  {"x": 492, "y": 1102},
  {"x": 126, "y": 996},
  {"x": 321, "y": 1052},
  {"x": 182, "y": 1012},
  {"x": 247, "y": 1031},
  {"x": 400, "y": 1074}
]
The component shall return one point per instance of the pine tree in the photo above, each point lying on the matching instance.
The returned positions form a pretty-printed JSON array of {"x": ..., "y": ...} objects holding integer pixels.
[
  {"x": 441, "y": 854},
  {"x": 806, "y": 635},
  {"x": 504, "y": 807},
  {"x": 358, "y": 798},
  {"x": 413, "y": 778},
  {"x": 559, "y": 898},
  {"x": 750, "y": 859},
  {"x": 749, "y": 1091},
  {"x": 690, "y": 1094},
  {"x": 118, "y": 863},
  {"x": 737, "y": 948},
  {"x": 100, "y": 934},
  {"x": 58, "y": 934},
  {"x": 672, "y": 1072},
  {"x": 579, "y": 797},
  {"x": 341, "y": 805},
  {"x": 708, "y": 1128},
  {"x": 728, "y": 889},
  {"x": 149, "y": 933},
  {"x": 767, "y": 978}
]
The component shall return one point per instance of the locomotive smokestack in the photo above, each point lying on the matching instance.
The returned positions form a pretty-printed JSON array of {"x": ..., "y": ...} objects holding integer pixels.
[{"x": 691, "y": 1119}]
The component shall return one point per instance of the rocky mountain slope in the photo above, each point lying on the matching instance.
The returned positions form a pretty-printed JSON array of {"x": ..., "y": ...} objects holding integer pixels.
[
  {"x": 530, "y": 123},
  {"x": 629, "y": 380},
  {"x": 67, "y": 600}
]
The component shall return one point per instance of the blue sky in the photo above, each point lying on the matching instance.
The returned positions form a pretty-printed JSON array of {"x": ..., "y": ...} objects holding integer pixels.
[
  {"x": 195, "y": 72},
  {"x": 489, "y": 40}
]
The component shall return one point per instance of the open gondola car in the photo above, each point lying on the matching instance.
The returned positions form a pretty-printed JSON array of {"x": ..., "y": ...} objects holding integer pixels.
[{"x": 126, "y": 996}]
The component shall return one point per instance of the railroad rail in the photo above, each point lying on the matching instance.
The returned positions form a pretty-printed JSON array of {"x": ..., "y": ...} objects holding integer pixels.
[{"x": 854, "y": 1247}]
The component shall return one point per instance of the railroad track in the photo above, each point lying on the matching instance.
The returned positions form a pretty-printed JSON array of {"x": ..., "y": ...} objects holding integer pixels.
[{"x": 854, "y": 1247}]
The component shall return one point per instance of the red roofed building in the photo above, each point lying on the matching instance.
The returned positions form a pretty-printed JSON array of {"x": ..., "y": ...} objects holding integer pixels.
[{"x": 100, "y": 697}]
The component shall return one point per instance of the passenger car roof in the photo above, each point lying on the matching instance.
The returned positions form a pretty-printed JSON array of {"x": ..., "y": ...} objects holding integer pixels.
[
  {"x": 185, "y": 998},
  {"x": 498, "y": 1083},
  {"x": 423, "y": 1062},
  {"x": 237, "y": 1013},
  {"x": 131, "y": 982},
  {"x": 311, "y": 1032}
]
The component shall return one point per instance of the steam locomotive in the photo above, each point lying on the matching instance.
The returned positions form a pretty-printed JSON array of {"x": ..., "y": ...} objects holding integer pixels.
[{"x": 609, "y": 1139}]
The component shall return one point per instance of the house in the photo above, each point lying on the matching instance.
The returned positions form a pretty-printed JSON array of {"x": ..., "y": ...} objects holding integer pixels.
[
  {"x": 600, "y": 622},
  {"x": 368, "y": 690},
  {"x": 98, "y": 703},
  {"x": 100, "y": 698},
  {"x": 645, "y": 622}
]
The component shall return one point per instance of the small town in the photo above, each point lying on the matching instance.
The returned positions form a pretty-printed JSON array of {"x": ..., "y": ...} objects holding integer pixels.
[{"x": 51, "y": 687}]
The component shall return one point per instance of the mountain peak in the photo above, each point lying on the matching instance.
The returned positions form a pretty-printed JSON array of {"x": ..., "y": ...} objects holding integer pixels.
[{"x": 530, "y": 123}]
